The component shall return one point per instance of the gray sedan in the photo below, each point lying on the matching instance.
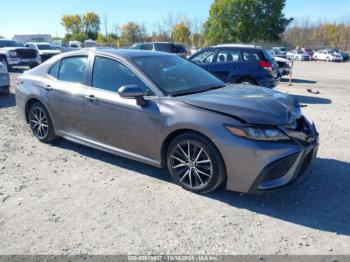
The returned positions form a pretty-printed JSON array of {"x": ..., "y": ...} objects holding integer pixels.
[
  {"x": 165, "y": 111},
  {"x": 4, "y": 79}
]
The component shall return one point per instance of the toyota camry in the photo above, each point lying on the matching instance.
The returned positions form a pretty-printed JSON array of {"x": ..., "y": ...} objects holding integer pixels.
[{"x": 165, "y": 111}]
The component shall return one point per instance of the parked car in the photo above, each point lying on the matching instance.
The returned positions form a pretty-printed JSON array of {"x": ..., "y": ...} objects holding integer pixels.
[
  {"x": 309, "y": 51},
  {"x": 342, "y": 53},
  {"x": 13, "y": 54},
  {"x": 166, "y": 47},
  {"x": 284, "y": 66},
  {"x": 165, "y": 111},
  {"x": 45, "y": 50},
  {"x": 4, "y": 80},
  {"x": 239, "y": 64},
  {"x": 328, "y": 55},
  {"x": 298, "y": 55},
  {"x": 280, "y": 51}
]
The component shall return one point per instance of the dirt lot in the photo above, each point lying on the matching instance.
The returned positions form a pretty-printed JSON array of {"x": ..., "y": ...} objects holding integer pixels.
[{"x": 69, "y": 199}]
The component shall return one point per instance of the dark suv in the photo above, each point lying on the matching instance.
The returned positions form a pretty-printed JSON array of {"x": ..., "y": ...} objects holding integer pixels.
[
  {"x": 178, "y": 49},
  {"x": 244, "y": 64}
]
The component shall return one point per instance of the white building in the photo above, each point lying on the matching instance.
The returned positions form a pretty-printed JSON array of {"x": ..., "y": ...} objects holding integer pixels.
[{"x": 33, "y": 38}]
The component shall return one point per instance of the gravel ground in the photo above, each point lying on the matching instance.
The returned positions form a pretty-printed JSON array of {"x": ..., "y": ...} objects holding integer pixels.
[{"x": 69, "y": 199}]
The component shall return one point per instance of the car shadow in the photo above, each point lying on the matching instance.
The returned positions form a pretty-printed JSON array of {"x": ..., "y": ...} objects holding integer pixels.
[
  {"x": 312, "y": 100},
  {"x": 321, "y": 201},
  {"x": 8, "y": 100},
  {"x": 299, "y": 81}
]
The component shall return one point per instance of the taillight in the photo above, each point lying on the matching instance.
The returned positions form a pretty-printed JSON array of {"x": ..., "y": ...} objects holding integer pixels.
[{"x": 266, "y": 65}]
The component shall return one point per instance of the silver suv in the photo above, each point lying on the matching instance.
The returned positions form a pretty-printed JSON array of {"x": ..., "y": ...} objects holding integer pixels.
[{"x": 13, "y": 54}]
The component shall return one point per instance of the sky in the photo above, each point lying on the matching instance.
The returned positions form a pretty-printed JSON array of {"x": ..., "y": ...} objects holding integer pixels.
[{"x": 39, "y": 16}]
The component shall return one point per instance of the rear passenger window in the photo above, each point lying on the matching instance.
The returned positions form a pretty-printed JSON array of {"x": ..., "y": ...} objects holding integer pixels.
[
  {"x": 110, "y": 75},
  {"x": 250, "y": 56},
  {"x": 72, "y": 69},
  {"x": 228, "y": 56},
  {"x": 54, "y": 70}
]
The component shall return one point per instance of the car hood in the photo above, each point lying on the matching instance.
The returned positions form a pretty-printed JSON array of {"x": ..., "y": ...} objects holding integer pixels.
[
  {"x": 250, "y": 104},
  {"x": 12, "y": 48},
  {"x": 49, "y": 52}
]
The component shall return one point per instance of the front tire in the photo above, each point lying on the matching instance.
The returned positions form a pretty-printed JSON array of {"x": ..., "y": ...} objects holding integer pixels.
[
  {"x": 195, "y": 164},
  {"x": 41, "y": 124}
]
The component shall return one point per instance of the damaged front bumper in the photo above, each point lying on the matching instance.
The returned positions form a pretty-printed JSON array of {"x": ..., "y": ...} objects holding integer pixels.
[{"x": 262, "y": 166}]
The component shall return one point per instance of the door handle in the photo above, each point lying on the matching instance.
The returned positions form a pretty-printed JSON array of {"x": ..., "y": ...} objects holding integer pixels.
[{"x": 91, "y": 98}]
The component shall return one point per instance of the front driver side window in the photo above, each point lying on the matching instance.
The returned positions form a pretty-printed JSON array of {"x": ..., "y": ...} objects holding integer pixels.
[
  {"x": 205, "y": 57},
  {"x": 110, "y": 75}
]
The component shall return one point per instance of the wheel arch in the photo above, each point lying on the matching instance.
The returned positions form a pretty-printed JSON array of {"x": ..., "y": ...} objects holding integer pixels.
[
  {"x": 246, "y": 78},
  {"x": 179, "y": 132},
  {"x": 30, "y": 102}
]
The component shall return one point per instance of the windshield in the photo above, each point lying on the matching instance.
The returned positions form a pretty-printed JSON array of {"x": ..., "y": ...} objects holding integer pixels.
[
  {"x": 9, "y": 43},
  {"x": 177, "y": 76},
  {"x": 283, "y": 49},
  {"x": 44, "y": 47}
]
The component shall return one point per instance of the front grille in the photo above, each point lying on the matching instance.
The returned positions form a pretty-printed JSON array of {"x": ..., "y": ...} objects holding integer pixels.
[
  {"x": 280, "y": 168},
  {"x": 26, "y": 53}
]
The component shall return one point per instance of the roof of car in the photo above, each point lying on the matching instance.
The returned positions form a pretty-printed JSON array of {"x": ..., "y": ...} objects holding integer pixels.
[
  {"x": 126, "y": 52},
  {"x": 38, "y": 43},
  {"x": 238, "y": 45}
]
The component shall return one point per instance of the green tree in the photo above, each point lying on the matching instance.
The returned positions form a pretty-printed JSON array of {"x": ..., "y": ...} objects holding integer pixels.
[
  {"x": 91, "y": 25},
  {"x": 131, "y": 32},
  {"x": 72, "y": 23},
  {"x": 181, "y": 33},
  {"x": 246, "y": 21}
]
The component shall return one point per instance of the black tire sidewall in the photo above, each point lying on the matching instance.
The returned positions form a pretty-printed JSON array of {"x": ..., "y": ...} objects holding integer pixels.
[
  {"x": 246, "y": 80},
  {"x": 51, "y": 136},
  {"x": 219, "y": 170}
]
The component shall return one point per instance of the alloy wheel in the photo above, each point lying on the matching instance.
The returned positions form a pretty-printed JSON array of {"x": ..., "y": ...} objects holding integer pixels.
[
  {"x": 191, "y": 164},
  {"x": 39, "y": 123}
]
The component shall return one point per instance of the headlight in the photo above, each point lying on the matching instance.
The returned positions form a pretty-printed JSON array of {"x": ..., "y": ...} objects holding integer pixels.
[
  {"x": 257, "y": 133},
  {"x": 13, "y": 54}
]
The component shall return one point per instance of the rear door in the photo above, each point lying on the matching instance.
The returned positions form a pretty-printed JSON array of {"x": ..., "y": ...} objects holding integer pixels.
[
  {"x": 65, "y": 91},
  {"x": 227, "y": 65}
]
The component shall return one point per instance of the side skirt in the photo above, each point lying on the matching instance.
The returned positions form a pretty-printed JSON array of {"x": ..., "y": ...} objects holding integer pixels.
[{"x": 111, "y": 150}]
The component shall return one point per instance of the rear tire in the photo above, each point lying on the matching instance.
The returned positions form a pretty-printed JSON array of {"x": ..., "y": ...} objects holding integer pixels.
[
  {"x": 195, "y": 164},
  {"x": 40, "y": 123},
  {"x": 246, "y": 81}
]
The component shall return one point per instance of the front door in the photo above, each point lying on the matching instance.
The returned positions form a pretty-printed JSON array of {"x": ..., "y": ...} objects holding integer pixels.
[
  {"x": 227, "y": 65},
  {"x": 114, "y": 121}
]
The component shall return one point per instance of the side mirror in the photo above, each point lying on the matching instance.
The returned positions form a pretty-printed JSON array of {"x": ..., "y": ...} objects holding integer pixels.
[{"x": 134, "y": 92}]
